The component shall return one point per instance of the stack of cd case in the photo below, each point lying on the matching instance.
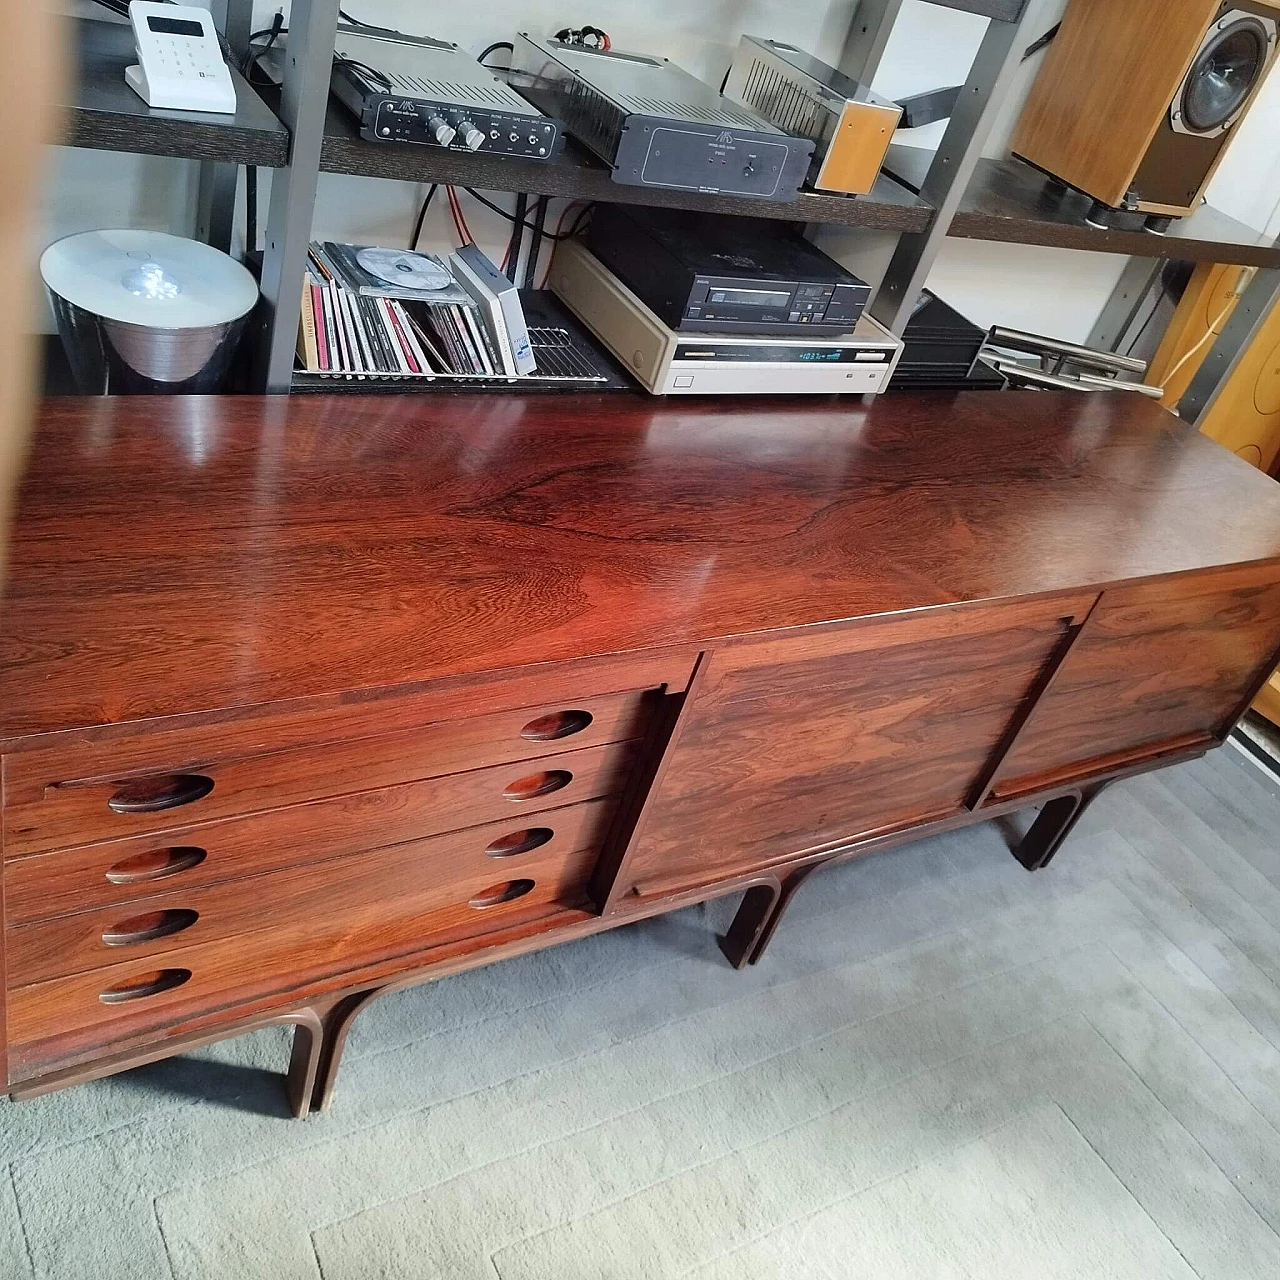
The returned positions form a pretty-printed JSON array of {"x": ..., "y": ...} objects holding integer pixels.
[{"x": 389, "y": 319}]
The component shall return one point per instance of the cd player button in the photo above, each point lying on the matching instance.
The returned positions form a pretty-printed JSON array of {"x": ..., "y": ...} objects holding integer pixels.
[{"x": 793, "y": 317}]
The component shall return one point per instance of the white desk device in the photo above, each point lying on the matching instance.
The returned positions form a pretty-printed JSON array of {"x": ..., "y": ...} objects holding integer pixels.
[{"x": 180, "y": 64}]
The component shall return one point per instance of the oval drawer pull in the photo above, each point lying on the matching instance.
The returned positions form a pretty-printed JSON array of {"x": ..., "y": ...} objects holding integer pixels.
[
  {"x": 156, "y": 864},
  {"x": 559, "y": 724},
  {"x": 153, "y": 795},
  {"x": 149, "y": 927},
  {"x": 149, "y": 984},
  {"x": 520, "y": 842},
  {"x": 496, "y": 894},
  {"x": 537, "y": 784}
]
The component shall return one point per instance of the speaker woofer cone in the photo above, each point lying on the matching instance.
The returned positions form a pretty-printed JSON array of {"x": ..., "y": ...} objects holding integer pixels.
[{"x": 1224, "y": 75}]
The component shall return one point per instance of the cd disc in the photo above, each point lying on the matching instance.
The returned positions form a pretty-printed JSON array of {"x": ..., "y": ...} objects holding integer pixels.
[{"x": 405, "y": 269}]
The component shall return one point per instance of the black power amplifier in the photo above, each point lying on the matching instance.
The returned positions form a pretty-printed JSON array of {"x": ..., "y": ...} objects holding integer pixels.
[
  {"x": 710, "y": 274},
  {"x": 656, "y": 125},
  {"x": 409, "y": 89}
]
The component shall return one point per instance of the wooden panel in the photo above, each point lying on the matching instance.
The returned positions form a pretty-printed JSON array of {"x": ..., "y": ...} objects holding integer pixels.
[
  {"x": 441, "y": 870},
  {"x": 373, "y": 921},
  {"x": 827, "y": 739},
  {"x": 1158, "y": 664},
  {"x": 1208, "y": 301},
  {"x": 46, "y": 812},
  {"x": 521, "y": 531},
  {"x": 1106, "y": 82},
  {"x": 64, "y": 881}
]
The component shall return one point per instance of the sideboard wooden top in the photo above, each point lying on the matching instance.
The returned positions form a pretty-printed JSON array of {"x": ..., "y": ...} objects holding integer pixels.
[{"x": 177, "y": 554}]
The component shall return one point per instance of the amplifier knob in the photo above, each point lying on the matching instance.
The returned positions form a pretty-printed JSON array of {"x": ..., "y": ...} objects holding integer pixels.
[
  {"x": 472, "y": 136},
  {"x": 441, "y": 130}
]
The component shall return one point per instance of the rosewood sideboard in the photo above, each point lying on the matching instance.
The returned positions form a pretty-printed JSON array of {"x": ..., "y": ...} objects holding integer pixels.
[{"x": 303, "y": 700}]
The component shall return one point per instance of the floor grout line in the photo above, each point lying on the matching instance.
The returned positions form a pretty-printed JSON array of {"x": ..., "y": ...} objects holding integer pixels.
[{"x": 22, "y": 1225}]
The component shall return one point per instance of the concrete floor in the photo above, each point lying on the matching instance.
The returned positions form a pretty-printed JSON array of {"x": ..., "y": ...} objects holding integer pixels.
[{"x": 945, "y": 1067}]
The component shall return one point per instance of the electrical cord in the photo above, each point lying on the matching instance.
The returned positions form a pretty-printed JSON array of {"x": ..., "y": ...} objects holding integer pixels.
[
  {"x": 368, "y": 26},
  {"x": 422, "y": 214},
  {"x": 494, "y": 47},
  {"x": 511, "y": 217},
  {"x": 1243, "y": 281}
]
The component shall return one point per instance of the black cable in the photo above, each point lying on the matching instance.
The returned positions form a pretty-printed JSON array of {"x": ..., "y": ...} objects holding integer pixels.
[
  {"x": 494, "y": 47},
  {"x": 422, "y": 213},
  {"x": 272, "y": 33},
  {"x": 516, "y": 240},
  {"x": 535, "y": 241},
  {"x": 519, "y": 220},
  {"x": 368, "y": 26},
  {"x": 375, "y": 77},
  {"x": 1046, "y": 39}
]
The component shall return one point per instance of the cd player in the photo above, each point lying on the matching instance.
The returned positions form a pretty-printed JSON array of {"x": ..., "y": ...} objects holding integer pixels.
[
  {"x": 712, "y": 274},
  {"x": 670, "y": 363}
]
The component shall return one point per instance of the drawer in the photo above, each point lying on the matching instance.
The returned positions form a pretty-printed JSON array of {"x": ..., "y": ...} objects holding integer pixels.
[
  {"x": 69, "y": 1018},
  {"x": 437, "y": 871},
  {"x": 121, "y": 871},
  {"x": 43, "y": 812}
]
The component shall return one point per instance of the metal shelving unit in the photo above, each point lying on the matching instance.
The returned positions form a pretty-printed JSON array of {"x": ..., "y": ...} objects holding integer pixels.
[
  {"x": 106, "y": 115},
  {"x": 578, "y": 176},
  {"x": 952, "y": 191}
]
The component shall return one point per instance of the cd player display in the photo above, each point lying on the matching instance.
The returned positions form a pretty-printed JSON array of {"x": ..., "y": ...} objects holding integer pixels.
[{"x": 726, "y": 275}]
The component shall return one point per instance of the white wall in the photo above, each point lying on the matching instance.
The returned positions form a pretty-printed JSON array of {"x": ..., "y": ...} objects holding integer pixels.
[{"x": 1049, "y": 291}]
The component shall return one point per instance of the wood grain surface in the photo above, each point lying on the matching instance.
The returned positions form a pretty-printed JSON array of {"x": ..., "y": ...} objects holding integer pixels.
[
  {"x": 841, "y": 735},
  {"x": 45, "y": 812},
  {"x": 181, "y": 554},
  {"x": 1105, "y": 85}
]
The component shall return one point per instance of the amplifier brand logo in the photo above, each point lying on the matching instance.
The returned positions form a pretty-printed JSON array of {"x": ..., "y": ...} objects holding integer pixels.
[{"x": 725, "y": 139}]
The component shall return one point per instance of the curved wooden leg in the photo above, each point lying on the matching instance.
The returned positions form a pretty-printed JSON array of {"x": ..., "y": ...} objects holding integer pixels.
[
  {"x": 304, "y": 1061},
  {"x": 757, "y": 919},
  {"x": 744, "y": 933},
  {"x": 337, "y": 1020},
  {"x": 790, "y": 886},
  {"x": 1049, "y": 831}
]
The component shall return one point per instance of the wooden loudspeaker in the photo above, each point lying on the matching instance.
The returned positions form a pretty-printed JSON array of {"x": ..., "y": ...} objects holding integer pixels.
[{"x": 1137, "y": 100}]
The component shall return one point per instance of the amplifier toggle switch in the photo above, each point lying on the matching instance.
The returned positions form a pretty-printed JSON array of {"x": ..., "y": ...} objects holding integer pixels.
[
  {"x": 441, "y": 130},
  {"x": 471, "y": 136}
]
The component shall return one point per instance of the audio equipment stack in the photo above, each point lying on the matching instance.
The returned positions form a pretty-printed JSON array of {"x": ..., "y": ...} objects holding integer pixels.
[{"x": 851, "y": 126}]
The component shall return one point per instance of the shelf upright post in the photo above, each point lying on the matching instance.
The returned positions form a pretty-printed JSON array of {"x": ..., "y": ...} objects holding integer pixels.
[
  {"x": 869, "y": 33},
  {"x": 979, "y": 106},
  {"x": 1126, "y": 301},
  {"x": 304, "y": 97},
  {"x": 216, "y": 189},
  {"x": 1238, "y": 335}
]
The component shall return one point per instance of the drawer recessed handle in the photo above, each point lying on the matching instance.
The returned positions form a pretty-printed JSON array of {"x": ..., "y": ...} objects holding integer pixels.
[
  {"x": 496, "y": 894},
  {"x": 145, "y": 986},
  {"x": 537, "y": 784},
  {"x": 520, "y": 842},
  {"x": 156, "y": 864},
  {"x": 152, "y": 795},
  {"x": 149, "y": 927},
  {"x": 559, "y": 724}
]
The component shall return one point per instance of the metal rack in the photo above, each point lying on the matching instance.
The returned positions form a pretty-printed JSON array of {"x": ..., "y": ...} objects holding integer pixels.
[{"x": 953, "y": 191}]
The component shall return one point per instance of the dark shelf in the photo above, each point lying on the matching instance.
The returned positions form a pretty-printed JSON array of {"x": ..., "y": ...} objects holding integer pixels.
[
  {"x": 1012, "y": 202},
  {"x": 1007, "y": 10},
  {"x": 107, "y": 115},
  {"x": 890, "y": 207}
]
